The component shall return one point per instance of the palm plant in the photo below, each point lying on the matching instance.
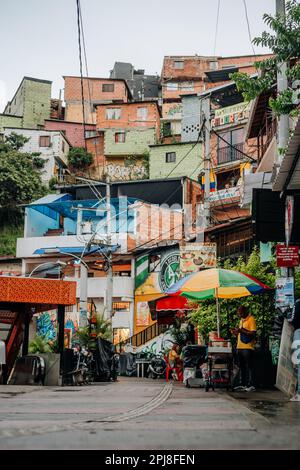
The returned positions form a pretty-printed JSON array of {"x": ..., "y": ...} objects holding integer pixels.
[
  {"x": 100, "y": 328},
  {"x": 39, "y": 345}
]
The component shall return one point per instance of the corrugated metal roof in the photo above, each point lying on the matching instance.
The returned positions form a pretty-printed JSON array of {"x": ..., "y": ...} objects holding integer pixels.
[{"x": 284, "y": 176}]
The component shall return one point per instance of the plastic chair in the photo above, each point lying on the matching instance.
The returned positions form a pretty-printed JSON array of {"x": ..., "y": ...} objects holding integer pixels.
[{"x": 177, "y": 370}]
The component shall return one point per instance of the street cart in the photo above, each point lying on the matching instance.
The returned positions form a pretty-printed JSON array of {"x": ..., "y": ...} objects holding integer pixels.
[{"x": 219, "y": 365}]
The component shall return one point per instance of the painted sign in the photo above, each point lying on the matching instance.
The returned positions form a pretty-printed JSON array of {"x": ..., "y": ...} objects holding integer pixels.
[
  {"x": 169, "y": 270},
  {"x": 196, "y": 256},
  {"x": 142, "y": 314},
  {"x": 287, "y": 256},
  {"x": 284, "y": 293},
  {"x": 227, "y": 194},
  {"x": 231, "y": 114},
  {"x": 286, "y": 379},
  {"x": 159, "y": 272}
]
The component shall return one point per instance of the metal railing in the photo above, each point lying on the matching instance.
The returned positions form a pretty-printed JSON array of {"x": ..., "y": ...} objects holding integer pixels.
[
  {"x": 229, "y": 154},
  {"x": 143, "y": 336}
]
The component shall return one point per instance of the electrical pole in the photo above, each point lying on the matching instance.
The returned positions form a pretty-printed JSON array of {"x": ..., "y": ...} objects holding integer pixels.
[
  {"x": 207, "y": 129},
  {"x": 83, "y": 278},
  {"x": 109, "y": 278}
]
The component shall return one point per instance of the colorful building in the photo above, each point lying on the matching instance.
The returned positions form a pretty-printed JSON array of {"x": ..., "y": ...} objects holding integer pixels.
[
  {"x": 31, "y": 102},
  {"x": 95, "y": 91}
]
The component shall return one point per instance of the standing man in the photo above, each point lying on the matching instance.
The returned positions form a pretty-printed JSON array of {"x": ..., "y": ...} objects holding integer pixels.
[
  {"x": 295, "y": 321},
  {"x": 246, "y": 334}
]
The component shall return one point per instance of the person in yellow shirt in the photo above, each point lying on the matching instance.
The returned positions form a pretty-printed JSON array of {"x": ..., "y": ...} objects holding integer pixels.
[{"x": 246, "y": 334}]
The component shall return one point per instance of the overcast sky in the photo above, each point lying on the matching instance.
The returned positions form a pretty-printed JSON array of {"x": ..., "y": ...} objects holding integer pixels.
[{"x": 39, "y": 37}]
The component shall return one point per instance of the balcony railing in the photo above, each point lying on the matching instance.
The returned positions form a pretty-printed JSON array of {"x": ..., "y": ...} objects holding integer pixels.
[{"x": 230, "y": 154}]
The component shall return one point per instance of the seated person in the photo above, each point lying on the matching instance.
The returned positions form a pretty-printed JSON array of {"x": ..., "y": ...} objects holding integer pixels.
[{"x": 174, "y": 356}]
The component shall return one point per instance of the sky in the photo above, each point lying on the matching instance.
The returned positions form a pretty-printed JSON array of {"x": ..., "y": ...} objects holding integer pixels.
[{"x": 39, "y": 37}]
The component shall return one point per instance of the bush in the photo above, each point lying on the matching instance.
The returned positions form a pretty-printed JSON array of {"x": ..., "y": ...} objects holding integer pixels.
[{"x": 79, "y": 158}]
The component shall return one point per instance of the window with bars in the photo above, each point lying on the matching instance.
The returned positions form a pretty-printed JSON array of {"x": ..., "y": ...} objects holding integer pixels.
[
  {"x": 108, "y": 87},
  {"x": 120, "y": 137},
  {"x": 44, "y": 141},
  {"x": 170, "y": 157}
]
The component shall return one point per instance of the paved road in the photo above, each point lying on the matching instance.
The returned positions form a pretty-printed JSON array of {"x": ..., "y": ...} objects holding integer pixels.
[{"x": 144, "y": 414}]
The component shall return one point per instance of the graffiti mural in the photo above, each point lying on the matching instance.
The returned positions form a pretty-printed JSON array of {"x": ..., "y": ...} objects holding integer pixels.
[
  {"x": 46, "y": 325},
  {"x": 126, "y": 173}
]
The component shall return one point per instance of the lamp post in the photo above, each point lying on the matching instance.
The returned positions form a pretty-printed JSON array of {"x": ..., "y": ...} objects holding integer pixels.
[{"x": 59, "y": 263}]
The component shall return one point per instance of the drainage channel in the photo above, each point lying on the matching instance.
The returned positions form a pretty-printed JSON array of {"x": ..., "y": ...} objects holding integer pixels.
[{"x": 87, "y": 425}]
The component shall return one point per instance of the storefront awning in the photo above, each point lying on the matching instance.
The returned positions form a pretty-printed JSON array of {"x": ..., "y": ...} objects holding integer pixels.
[
  {"x": 173, "y": 303},
  {"x": 76, "y": 250}
]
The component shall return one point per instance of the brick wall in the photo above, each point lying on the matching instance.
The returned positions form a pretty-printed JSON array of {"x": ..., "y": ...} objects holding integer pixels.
[
  {"x": 92, "y": 90},
  {"x": 73, "y": 130},
  {"x": 129, "y": 117}
]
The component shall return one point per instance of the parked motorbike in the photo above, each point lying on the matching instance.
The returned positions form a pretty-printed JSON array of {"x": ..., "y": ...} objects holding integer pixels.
[{"x": 157, "y": 367}]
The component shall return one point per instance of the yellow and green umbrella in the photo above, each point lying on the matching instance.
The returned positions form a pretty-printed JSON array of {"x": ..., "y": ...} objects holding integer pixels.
[{"x": 217, "y": 283}]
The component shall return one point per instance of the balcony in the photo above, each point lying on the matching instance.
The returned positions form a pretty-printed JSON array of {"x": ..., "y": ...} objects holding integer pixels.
[{"x": 229, "y": 154}]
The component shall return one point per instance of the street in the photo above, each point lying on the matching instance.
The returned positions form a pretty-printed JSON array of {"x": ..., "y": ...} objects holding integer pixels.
[{"x": 145, "y": 414}]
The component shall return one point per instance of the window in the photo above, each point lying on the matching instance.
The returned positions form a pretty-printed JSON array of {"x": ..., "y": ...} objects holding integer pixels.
[
  {"x": 120, "y": 137},
  {"x": 172, "y": 86},
  {"x": 113, "y": 113},
  {"x": 142, "y": 114},
  {"x": 213, "y": 65},
  {"x": 178, "y": 64},
  {"x": 186, "y": 86},
  {"x": 167, "y": 129},
  {"x": 170, "y": 157},
  {"x": 44, "y": 141},
  {"x": 63, "y": 146},
  {"x": 108, "y": 87},
  {"x": 228, "y": 149}
]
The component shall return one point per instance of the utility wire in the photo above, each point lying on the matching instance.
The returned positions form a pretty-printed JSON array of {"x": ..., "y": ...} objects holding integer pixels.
[
  {"x": 216, "y": 30},
  {"x": 248, "y": 26},
  {"x": 80, "y": 63},
  {"x": 88, "y": 81},
  {"x": 233, "y": 146}
]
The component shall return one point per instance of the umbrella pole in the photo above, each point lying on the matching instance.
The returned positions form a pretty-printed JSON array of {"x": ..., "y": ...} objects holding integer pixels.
[{"x": 218, "y": 313}]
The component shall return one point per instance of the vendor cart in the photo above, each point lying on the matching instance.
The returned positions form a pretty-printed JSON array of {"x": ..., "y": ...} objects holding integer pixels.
[{"x": 219, "y": 365}]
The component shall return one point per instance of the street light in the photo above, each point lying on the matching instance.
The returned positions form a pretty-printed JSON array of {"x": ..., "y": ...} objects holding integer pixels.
[{"x": 59, "y": 263}]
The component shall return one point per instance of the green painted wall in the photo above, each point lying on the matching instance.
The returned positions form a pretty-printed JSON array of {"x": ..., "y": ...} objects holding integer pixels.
[
  {"x": 10, "y": 121},
  {"x": 136, "y": 142},
  {"x": 37, "y": 97},
  {"x": 189, "y": 155},
  {"x": 32, "y": 101}
]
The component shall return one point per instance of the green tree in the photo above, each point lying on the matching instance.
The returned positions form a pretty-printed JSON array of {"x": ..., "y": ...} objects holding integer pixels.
[
  {"x": 79, "y": 158},
  {"x": 20, "y": 182},
  {"x": 261, "y": 306},
  {"x": 284, "y": 43},
  {"x": 13, "y": 141}
]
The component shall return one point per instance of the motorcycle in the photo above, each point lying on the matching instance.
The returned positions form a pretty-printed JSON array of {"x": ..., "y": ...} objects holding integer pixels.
[{"x": 157, "y": 367}]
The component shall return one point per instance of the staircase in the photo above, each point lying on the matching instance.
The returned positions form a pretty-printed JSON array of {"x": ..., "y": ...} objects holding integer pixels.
[
  {"x": 143, "y": 336},
  {"x": 14, "y": 341}
]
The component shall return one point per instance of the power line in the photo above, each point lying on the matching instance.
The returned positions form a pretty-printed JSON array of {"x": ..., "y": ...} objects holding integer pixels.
[
  {"x": 216, "y": 30},
  {"x": 233, "y": 146},
  {"x": 248, "y": 26},
  {"x": 80, "y": 63}
]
